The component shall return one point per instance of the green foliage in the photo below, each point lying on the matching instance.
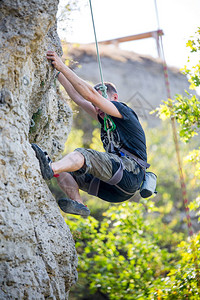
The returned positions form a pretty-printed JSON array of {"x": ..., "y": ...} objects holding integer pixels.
[
  {"x": 193, "y": 73},
  {"x": 183, "y": 281},
  {"x": 131, "y": 254},
  {"x": 186, "y": 109},
  {"x": 162, "y": 157},
  {"x": 194, "y": 157}
]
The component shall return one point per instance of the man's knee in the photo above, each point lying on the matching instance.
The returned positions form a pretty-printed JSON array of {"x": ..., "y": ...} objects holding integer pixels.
[
  {"x": 77, "y": 159},
  {"x": 79, "y": 156}
]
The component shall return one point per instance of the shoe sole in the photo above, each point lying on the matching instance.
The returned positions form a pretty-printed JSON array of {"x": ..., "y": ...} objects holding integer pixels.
[
  {"x": 73, "y": 207},
  {"x": 47, "y": 172}
]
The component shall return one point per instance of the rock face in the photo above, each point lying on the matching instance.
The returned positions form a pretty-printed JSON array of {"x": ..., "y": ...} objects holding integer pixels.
[{"x": 38, "y": 257}]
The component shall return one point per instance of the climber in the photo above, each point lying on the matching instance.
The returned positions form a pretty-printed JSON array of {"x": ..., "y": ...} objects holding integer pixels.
[{"x": 114, "y": 175}]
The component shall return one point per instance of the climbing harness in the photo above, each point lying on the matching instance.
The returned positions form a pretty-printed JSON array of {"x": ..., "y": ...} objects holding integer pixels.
[
  {"x": 114, "y": 180},
  {"x": 148, "y": 186},
  {"x": 143, "y": 164}
]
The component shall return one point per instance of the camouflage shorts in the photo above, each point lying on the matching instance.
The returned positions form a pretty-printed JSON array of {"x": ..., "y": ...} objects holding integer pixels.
[{"x": 103, "y": 165}]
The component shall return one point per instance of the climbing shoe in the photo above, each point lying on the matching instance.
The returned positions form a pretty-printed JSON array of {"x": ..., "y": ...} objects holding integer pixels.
[
  {"x": 44, "y": 161},
  {"x": 73, "y": 207}
]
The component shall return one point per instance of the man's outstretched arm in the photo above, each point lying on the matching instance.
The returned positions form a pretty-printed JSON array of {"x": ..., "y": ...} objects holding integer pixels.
[{"x": 83, "y": 88}]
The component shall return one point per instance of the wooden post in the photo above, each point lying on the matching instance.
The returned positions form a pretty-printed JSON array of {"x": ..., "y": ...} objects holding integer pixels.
[{"x": 134, "y": 37}]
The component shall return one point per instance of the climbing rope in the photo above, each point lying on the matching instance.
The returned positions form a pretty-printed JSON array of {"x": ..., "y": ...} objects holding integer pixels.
[
  {"x": 103, "y": 88},
  {"x": 109, "y": 124}
]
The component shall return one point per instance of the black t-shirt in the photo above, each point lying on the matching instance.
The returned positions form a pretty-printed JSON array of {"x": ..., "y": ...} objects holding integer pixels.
[{"x": 128, "y": 133}]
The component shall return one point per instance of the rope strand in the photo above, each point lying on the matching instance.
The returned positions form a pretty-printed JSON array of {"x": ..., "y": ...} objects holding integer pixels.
[{"x": 103, "y": 89}]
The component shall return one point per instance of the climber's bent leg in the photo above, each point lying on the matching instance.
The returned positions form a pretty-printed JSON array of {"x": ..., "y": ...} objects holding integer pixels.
[
  {"x": 69, "y": 163},
  {"x": 66, "y": 181},
  {"x": 103, "y": 166}
]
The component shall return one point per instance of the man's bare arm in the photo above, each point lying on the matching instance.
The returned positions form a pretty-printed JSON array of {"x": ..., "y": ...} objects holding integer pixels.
[
  {"x": 83, "y": 88},
  {"x": 76, "y": 97}
]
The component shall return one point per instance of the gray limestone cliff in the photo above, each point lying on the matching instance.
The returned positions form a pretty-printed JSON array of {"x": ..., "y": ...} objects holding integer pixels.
[{"x": 38, "y": 257}]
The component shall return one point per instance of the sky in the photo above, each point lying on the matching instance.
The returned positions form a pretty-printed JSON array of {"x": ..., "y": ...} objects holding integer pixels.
[{"x": 179, "y": 19}]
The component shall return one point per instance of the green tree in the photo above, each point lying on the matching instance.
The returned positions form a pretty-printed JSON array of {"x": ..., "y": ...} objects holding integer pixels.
[
  {"x": 183, "y": 281},
  {"x": 186, "y": 110},
  {"x": 125, "y": 254}
]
